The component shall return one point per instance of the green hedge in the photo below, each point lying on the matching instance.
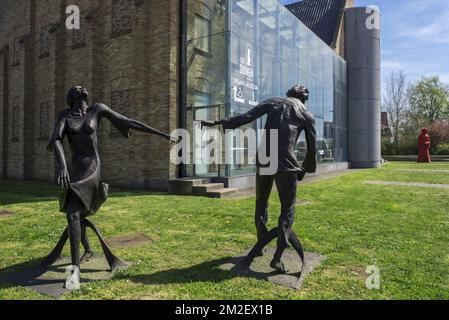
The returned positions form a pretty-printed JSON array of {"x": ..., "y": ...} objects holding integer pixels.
[
  {"x": 407, "y": 146},
  {"x": 387, "y": 147},
  {"x": 442, "y": 149}
]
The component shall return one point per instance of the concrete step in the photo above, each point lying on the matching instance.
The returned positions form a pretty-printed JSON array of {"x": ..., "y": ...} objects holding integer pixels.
[
  {"x": 184, "y": 186},
  {"x": 221, "y": 193},
  {"x": 206, "y": 188},
  {"x": 199, "y": 187}
]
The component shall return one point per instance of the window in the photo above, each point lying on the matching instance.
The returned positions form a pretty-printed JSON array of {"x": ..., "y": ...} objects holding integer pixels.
[
  {"x": 16, "y": 52},
  {"x": 15, "y": 124},
  {"x": 202, "y": 111},
  {"x": 43, "y": 121},
  {"x": 202, "y": 99},
  {"x": 202, "y": 33},
  {"x": 121, "y": 17},
  {"x": 44, "y": 50},
  {"x": 79, "y": 36},
  {"x": 121, "y": 103}
]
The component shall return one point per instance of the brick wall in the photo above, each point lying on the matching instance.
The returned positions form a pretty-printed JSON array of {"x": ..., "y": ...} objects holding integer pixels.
[
  {"x": 126, "y": 54},
  {"x": 3, "y": 58}
]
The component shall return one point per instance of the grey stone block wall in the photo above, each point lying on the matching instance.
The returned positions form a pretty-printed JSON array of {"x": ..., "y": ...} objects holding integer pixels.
[{"x": 363, "y": 56}]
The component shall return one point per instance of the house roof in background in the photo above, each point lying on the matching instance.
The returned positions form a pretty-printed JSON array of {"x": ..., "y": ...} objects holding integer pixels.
[
  {"x": 385, "y": 120},
  {"x": 323, "y": 17}
]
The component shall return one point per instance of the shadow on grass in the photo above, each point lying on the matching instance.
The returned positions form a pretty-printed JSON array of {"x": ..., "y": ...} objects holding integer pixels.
[
  {"x": 18, "y": 192},
  {"x": 204, "y": 272},
  {"x": 30, "y": 275},
  {"x": 32, "y": 264},
  {"x": 8, "y": 200},
  {"x": 21, "y": 274}
]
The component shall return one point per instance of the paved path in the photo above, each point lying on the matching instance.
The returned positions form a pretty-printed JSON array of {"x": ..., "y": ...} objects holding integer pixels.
[
  {"x": 251, "y": 192},
  {"x": 408, "y": 184}
]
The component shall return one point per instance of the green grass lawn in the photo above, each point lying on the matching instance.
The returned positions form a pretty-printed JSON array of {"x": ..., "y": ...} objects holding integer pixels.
[{"x": 402, "y": 230}]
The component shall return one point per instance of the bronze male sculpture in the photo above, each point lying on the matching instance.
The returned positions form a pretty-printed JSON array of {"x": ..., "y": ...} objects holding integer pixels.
[
  {"x": 84, "y": 191},
  {"x": 289, "y": 117}
]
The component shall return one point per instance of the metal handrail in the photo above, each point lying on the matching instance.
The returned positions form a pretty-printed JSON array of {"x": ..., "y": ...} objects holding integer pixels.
[{"x": 212, "y": 106}]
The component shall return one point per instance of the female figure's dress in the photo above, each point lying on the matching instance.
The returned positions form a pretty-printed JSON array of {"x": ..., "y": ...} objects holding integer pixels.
[
  {"x": 84, "y": 166},
  {"x": 424, "y": 147}
]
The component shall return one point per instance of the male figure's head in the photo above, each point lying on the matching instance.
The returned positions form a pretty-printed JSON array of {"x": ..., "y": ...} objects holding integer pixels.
[
  {"x": 299, "y": 92},
  {"x": 76, "y": 95}
]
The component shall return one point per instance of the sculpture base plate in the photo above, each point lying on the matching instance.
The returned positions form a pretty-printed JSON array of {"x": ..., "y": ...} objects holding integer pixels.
[
  {"x": 50, "y": 281},
  {"x": 260, "y": 268}
]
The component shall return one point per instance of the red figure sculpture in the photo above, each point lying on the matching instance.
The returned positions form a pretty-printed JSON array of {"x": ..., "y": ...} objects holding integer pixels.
[{"x": 424, "y": 147}]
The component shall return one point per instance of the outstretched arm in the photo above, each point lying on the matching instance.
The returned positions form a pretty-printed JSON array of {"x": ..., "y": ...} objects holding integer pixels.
[
  {"x": 139, "y": 126},
  {"x": 123, "y": 124},
  {"x": 242, "y": 119}
]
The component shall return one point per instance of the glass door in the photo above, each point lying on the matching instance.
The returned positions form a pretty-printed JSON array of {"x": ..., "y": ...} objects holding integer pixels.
[{"x": 205, "y": 79}]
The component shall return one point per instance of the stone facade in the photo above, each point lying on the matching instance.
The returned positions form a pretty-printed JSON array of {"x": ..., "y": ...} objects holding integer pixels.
[
  {"x": 340, "y": 43},
  {"x": 126, "y": 54},
  {"x": 363, "y": 55}
]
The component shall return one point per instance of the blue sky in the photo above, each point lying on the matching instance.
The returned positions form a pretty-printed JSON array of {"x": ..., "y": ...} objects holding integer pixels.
[{"x": 415, "y": 36}]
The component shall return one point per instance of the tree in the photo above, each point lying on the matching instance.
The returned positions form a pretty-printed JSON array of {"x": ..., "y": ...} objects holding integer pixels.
[
  {"x": 429, "y": 98},
  {"x": 439, "y": 133},
  {"x": 395, "y": 102}
]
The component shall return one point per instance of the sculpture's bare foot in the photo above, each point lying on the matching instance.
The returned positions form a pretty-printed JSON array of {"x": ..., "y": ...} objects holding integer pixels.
[
  {"x": 278, "y": 265},
  {"x": 73, "y": 280},
  {"x": 86, "y": 256}
]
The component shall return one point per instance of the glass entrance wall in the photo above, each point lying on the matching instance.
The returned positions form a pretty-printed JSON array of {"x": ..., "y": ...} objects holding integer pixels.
[
  {"x": 271, "y": 51},
  {"x": 206, "y": 73},
  {"x": 241, "y": 52}
]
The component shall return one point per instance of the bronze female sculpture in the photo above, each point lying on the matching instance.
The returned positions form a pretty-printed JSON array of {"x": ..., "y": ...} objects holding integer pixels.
[
  {"x": 289, "y": 117},
  {"x": 84, "y": 191}
]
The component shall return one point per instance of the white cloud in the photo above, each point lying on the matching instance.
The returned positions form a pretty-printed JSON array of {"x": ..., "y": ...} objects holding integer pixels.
[
  {"x": 415, "y": 37},
  {"x": 424, "y": 21},
  {"x": 393, "y": 65}
]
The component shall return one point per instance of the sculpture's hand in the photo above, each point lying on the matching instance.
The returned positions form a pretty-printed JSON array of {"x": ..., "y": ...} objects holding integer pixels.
[
  {"x": 64, "y": 178},
  {"x": 208, "y": 124},
  {"x": 174, "y": 140},
  {"x": 301, "y": 175}
]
